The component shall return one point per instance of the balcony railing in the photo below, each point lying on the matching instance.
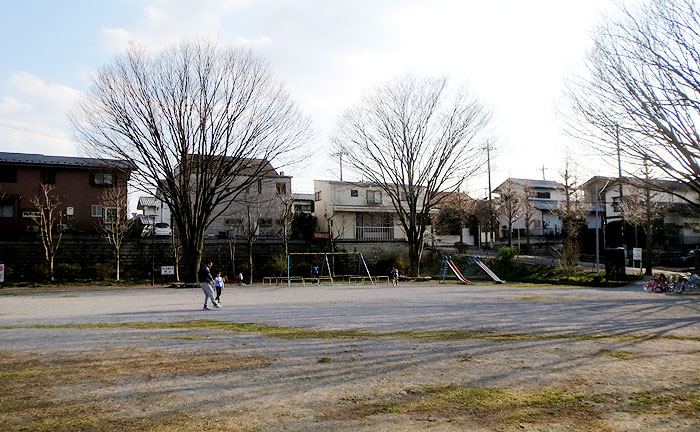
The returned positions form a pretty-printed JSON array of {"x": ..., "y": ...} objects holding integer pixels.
[{"x": 371, "y": 233}]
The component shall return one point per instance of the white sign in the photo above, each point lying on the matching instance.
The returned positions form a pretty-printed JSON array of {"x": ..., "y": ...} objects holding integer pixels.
[
  {"x": 167, "y": 270},
  {"x": 637, "y": 254},
  {"x": 2, "y": 273}
]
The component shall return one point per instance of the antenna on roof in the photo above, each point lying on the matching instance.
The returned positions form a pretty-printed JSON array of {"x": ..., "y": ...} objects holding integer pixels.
[{"x": 543, "y": 172}]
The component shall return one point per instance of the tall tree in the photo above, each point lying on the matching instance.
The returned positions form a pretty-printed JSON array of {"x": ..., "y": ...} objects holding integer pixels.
[
  {"x": 413, "y": 139},
  {"x": 641, "y": 206},
  {"x": 193, "y": 119},
  {"x": 509, "y": 206},
  {"x": 528, "y": 209},
  {"x": 114, "y": 224},
  {"x": 48, "y": 216},
  {"x": 642, "y": 89},
  {"x": 571, "y": 211}
]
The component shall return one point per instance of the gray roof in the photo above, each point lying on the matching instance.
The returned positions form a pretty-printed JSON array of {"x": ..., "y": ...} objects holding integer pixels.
[
  {"x": 65, "y": 161},
  {"x": 303, "y": 196},
  {"x": 541, "y": 204},
  {"x": 539, "y": 184}
]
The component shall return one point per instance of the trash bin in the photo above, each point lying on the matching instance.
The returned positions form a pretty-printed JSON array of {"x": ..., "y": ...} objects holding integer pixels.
[{"x": 615, "y": 264}]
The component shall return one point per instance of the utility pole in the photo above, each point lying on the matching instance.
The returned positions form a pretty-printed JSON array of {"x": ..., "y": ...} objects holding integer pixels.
[
  {"x": 488, "y": 167},
  {"x": 340, "y": 155}
]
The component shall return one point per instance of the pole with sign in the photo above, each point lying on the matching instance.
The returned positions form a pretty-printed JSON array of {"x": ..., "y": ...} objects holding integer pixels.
[
  {"x": 2, "y": 273},
  {"x": 637, "y": 256}
]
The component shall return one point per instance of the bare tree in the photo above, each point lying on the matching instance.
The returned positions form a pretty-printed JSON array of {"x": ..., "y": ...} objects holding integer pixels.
[
  {"x": 571, "y": 211},
  {"x": 193, "y": 119},
  {"x": 256, "y": 210},
  {"x": 454, "y": 214},
  {"x": 114, "y": 224},
  {"x": 528, "y": 209},
  {"x": 641, "y": 207},
  {"x": 642, "y": 89},
  {"x": 48, "y": 217},
  {"x": 287, "y": 201},
  {"x": 509, "y": 206},
  {"x": 413, "y": 139}
]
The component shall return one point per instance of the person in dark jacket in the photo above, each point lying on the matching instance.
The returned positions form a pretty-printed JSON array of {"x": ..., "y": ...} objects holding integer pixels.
[{"x": 206, "y": 281}]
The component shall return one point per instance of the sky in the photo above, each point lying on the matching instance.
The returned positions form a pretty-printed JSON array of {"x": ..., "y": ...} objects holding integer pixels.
[{"x": 514, "y": 56}]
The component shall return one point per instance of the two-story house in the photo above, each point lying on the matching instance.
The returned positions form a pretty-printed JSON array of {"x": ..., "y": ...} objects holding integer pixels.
[
  {"x": 544, "y": 197},
  {"x": 355, "y": 211},
  {"x": 606, "y": 194},
  {"x": 259, "y": 208},
  {"x": 78, "y": 184}
]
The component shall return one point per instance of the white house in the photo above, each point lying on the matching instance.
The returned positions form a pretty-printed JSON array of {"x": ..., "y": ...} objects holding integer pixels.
[
  {"x": 546, "y": 195},
  {"x": 604, "y": 193},
  {"x": 355, "y": 211}
]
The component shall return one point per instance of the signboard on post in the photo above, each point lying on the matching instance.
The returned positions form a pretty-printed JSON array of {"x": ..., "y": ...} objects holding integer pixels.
[
  {"x": 167, "y": 270},
  {"x": 637, "y": 254},
  {"x": 2, "y": 273}
]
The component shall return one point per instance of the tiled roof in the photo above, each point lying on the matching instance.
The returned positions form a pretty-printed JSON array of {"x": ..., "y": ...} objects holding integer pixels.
[
  {"x": 146, "y": 201},
  {"x": 67, "y": 161}
]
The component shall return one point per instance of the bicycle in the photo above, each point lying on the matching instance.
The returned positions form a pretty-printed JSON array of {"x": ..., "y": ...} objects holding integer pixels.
[
  {"x": 657, "y": 285},
  {"x": 691, "y": 283}
]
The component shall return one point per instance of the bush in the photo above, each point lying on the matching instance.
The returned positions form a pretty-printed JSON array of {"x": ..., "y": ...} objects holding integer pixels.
[
  {"x": 506, "y": 255},
  {"x": 384, "y": 265},
  {"x": 462, "y": 248},
  {"x": 68, "y": 272},
  {"x": 39, "y": 272},
  {"x": 99, "y": 271}
]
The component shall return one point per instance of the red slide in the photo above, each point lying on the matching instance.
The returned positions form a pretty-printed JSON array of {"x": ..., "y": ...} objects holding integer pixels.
[{"x": 458, "y": 273}]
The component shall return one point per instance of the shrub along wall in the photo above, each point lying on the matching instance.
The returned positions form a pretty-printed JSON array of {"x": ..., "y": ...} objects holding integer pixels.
[{"x": 88, "y": 256}]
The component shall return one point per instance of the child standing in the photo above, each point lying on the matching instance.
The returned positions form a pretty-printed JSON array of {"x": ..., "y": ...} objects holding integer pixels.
[
  {"x": 219, "y": 285},
  {"x": 394, "y": 276}
]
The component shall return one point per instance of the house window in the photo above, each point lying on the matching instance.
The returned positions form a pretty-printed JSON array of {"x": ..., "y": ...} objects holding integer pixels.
[
  {"x": 7, "y": 209},
  {"x": 48, "y": 177},
  {"x": 96, "y": 211},
  {"x": 616, "y": 204},
  {"x": 233, "y": 221},
  {"x": 265, "y": 223},
  {"x": 281, "y": 188},
  {"x": 303, "y": 208},
  {"x": 353, "y": 192},
  {"x": 317, "y": 196},
  {"x": 110, "y": 214},
  {"x": 259, "y": 186},
  {"x": 102, "y": 179},
  {"x": 544, "y": 195},
  {"x": 8, "y": 175},
  {"x": 374, "y": 197}
]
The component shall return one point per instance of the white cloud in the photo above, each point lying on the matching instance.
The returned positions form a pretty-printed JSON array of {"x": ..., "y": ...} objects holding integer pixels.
[
  {"x": 56, "y": 96},
  {"x": 115, "y": 39},
  {"x": 10, "y": 105}
]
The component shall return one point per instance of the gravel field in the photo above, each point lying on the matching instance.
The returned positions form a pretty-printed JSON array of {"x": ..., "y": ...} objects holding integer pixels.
[{"x": 442, "y": 357}]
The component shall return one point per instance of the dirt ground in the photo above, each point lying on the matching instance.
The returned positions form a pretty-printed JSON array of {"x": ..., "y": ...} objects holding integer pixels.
[{"x": 418, "y": 357}]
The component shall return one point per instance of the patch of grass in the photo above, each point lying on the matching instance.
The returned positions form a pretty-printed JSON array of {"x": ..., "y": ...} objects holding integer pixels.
[
  {"x": 620, "y": 354},
  {"x": 324, "y": 360},
  {"x": 57, "y": 392},
  {"x": 306, "y": 333},
  {"x": 538, "y": 298},
  {"x": 490, "y": 407}
]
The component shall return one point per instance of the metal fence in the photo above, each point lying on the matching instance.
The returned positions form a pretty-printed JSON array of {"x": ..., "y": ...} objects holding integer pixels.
[{"x": 373, "y": 233}]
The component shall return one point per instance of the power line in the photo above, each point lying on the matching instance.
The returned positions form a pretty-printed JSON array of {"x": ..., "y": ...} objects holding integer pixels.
[{"x": 35, "y": 132}]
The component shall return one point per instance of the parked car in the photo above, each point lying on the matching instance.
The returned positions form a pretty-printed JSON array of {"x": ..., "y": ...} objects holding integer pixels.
[{"x": 161, "y": 229}]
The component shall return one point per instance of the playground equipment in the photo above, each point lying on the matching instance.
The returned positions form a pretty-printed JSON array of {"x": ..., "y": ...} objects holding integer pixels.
[
  {"x": 326, "y": 265},
  {"x": 448, "y": 264}
]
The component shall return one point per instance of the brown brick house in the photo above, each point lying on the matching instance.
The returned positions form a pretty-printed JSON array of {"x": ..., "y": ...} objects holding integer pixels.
[{"x": 77, "y": 182}]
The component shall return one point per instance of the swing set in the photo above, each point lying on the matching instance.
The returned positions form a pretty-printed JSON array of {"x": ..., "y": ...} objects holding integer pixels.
[{"x": 363, "y": 275}]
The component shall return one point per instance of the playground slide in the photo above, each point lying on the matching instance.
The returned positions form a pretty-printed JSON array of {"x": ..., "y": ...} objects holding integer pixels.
[
  {"x": 488, "y": 271},
  {"x": 457, "y": 273}
]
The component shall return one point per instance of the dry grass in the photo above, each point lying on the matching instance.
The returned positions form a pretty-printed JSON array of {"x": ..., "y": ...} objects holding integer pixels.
[
  {"x": 493, "y": 408},
  {"x": 57, "y": 393},
  {"x": 310, "y": 333}
]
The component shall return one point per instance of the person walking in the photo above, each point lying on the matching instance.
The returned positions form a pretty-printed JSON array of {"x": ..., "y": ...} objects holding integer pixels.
[
  {"x": 394, "y": 276},
  {"x": 206, "y": 281},
  {"x": 240, "y": 279},
  {"x": 219, "y": 285}
]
